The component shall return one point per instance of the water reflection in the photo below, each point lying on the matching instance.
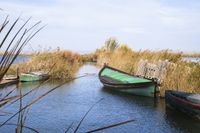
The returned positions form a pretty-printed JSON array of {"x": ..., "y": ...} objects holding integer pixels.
[
  {"x": 134, "y": 99},
  {"x": 182, "y": 122}
]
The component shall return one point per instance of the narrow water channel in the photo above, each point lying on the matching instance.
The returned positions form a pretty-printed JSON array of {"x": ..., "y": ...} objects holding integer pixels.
[{"x": 68, "y": 104}]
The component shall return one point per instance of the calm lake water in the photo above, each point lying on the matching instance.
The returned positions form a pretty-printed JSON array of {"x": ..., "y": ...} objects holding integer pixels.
[
  {"x": 192, "y": 59},
  {"x": 68, "y": 104},
  {"x": 19, "y": 59}
]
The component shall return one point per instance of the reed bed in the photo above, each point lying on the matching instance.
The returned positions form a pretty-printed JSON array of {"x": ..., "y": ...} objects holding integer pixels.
[
  {"x": 14, "y": 36},
  {"x": 191, "y": 54},
  {"x": 92, "y": 57},
  {"x": 59, "y": 64},
  {"x": 180, "y": 75}
]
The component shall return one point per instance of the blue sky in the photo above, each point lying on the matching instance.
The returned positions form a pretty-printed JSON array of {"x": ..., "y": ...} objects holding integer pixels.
[{"x": 84, "y": 25}]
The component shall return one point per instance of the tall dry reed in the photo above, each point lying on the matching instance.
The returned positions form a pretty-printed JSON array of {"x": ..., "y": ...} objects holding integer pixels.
[
  {"x": 180, "y": 75},
  {"x": 59, "y": 64}
]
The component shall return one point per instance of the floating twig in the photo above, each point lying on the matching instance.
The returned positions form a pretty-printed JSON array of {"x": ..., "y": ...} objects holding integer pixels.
[{"x": 110, "y": 126}]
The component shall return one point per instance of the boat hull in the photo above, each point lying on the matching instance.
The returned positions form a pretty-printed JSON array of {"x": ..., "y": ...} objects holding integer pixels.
[
  {"x": 182, "y": 104},
  {"x": 30, "y": 77},
  {"x": 148, "y": 91}
]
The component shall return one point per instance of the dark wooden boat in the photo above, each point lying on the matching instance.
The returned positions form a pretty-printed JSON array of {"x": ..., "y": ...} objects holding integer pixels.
[
  {"x": 122, "y": 81},
  {"x": 188, "y": 103}
]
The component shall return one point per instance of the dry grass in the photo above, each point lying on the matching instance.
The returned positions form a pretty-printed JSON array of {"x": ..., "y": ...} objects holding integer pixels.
[
  {"x": 180, "y": 75},
  {"x": 192, "y": 55},
  {"x": 89, "y": 57},
  {"x": 59, "y": 64}
]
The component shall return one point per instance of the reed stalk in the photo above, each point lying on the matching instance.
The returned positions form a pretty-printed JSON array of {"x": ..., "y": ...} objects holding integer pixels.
[
  {"x": 181, "y": 75},
  {"x": 40, "y": 97}
]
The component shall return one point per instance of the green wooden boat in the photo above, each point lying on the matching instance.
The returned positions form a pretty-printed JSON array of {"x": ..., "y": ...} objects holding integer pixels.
[
  {"x": 33, "y": 76},
  {"x": 122, "y": 81}
]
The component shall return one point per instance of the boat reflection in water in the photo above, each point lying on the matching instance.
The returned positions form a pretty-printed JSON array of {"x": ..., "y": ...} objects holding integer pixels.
[{"x": 181, "y": 122}]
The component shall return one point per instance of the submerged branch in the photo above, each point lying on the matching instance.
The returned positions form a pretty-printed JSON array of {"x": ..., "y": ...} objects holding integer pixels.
[{"x": 87, "y": 114}]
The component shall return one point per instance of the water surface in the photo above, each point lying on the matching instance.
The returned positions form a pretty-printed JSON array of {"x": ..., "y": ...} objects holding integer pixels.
[
  {"x": 20, "y": 59},
  {"x": 192, "y": 59},
  {"x": 69, "y": 103}
]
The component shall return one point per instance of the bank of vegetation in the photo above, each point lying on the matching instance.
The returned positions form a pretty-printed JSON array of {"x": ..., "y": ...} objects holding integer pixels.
[
  {"x": 91, "y": 57},
  {"x": 194, "y": 55},
  {"x": 60, "y": 65},
  {"x": 180, "y": 75}
]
